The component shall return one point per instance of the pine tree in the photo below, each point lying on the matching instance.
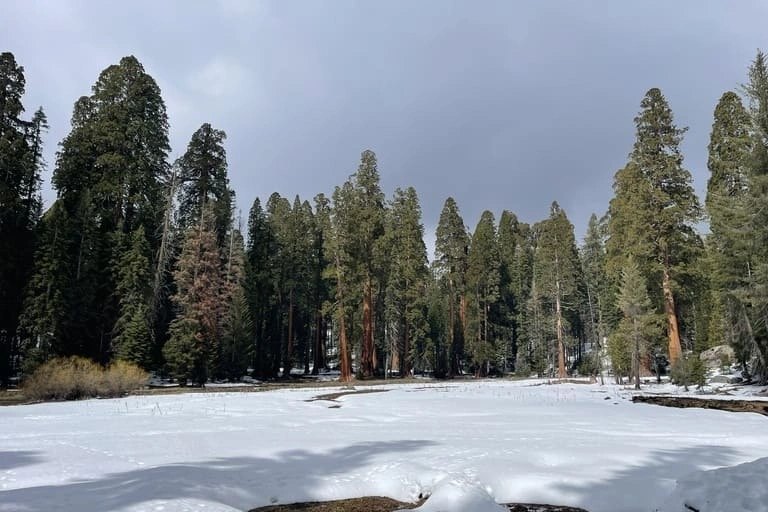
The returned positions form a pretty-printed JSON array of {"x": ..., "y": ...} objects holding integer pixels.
[
  {"x": 637, "y": 320},
  {"x": 593, "y": 261},
  {"x": 133, "y": 338},
  {"x": 653, "y": 213},
  {"x": 451, "y": 250},
  {"x": 193, "y": 349},
  {"x": 507, "y": 312},
  {"x": 260, "y": 283},
  {"x": 202, "y": 175},
  {"x": 730, "y": 244},
  {"x": 408, "y": 279},
  {"x": 483, "y": 266},
  {"x": 236, "y": 324},
  {"x": 557, "y": 273},
  {"x": 21, "y": 163}
]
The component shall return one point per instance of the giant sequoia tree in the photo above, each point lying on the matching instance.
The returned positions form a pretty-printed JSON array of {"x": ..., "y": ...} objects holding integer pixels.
[
  {"x": 653, "y": 212},
  {"x": 108, "y": 178}
]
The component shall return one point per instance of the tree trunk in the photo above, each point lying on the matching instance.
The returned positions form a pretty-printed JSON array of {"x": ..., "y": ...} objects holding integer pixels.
[
  {"x": 366, "y": 358},
  {"x": 453, "y": 351},
  {"x": 675, "y": 349},
  {"x": 406, "y": 363},
  {"x": 317, "y": 359},
  {"x": 288, "y": 361},
  {"x": 560, "y": 341},
  {"x": 346, "y": 367},
  {"x": 636, "y": 354}
]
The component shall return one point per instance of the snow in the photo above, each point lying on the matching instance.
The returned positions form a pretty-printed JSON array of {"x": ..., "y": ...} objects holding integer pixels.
[
  {"x": 737, "y": 489},
  {"x": 467, "y": 444}
]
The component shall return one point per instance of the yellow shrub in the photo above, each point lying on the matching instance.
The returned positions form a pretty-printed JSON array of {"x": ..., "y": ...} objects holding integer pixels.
[{"x": 72, "y": 378}]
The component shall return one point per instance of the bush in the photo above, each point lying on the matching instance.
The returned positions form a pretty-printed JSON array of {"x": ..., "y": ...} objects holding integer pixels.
[
  {"x": 689, "y": 370},
  {"x": 73, "y": 378}
]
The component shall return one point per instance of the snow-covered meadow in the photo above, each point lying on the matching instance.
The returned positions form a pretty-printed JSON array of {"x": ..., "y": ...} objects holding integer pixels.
[{"x": 467, "y": 444}]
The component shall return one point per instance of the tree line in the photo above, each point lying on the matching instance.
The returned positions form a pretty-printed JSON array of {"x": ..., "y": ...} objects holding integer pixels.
[{"x": 144, "y": 260}]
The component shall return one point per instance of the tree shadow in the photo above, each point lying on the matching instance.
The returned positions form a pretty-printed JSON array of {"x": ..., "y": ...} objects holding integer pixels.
[
  {"x": 652, "y": 479},
  {"x": 14, "y": 459},
  {"x": 238, "y": 482}
]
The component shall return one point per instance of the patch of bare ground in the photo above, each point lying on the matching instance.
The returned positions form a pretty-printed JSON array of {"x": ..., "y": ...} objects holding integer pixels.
[
  {"x": 367, "y": 504},
  {"x": 332, "y": 397},
  {"x": 380, "y": 504},
  {"x": 757, "y": 406}
]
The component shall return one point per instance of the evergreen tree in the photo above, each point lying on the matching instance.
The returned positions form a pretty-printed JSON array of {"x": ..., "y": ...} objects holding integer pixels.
[
  {"x": 202, "y": 175},
  {"x": 557, "y": 273},
  {"x": 21, "y": 163},
  {"x": 321, "y": 291},
  {"x": 193, "y": 349},
  {"x": 236, "y": 324},
  {"x": 507, "y": 312},
  {"x": 451, "y": 250},
  {"x": 109, "y": 178},
  {"x": 654, "y": 210},
  {"x": 408, "y": 279},
  {"x": 637, "y": 316},
  {"x": 133, "y": 337},
  {"x": 260, "y": 292},
  {"x": 339, "y": 247},
  {"x": 593, "y": 261},
  {"x": 368, "y": 211},
  {"x": 483, "y": 267}
]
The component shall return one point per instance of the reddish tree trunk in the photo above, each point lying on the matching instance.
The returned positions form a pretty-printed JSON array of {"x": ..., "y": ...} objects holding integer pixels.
[
  {"x": 561, "y": 373},
  {"x": 675, "y": 349},
  {"x": 406, "y": 363}
]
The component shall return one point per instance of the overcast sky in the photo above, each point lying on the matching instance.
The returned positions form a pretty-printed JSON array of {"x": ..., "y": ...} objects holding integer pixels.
[{"x": 500, "y": 104}]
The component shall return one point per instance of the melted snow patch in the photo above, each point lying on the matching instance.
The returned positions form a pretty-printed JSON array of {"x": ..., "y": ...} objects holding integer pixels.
[
  {"x": 735, "y": 489},
  {"x": 458, "y": 493}
]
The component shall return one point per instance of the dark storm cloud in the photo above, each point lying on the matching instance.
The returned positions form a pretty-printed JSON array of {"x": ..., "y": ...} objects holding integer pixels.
[{"x": 502, "y": 105}]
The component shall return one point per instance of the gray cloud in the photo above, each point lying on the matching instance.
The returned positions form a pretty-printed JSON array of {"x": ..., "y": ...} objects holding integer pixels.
[{"x": 502, "y": 105}]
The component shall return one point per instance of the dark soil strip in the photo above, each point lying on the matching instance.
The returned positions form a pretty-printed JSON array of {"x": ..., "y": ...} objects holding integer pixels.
[
  {"x": 379, "y": 504},
  {"x": 760, "y": 407},
  {"x": 533, "y": 507},
  {"x": 368, "y": 504},
  {"x": 333, "y": 396}
]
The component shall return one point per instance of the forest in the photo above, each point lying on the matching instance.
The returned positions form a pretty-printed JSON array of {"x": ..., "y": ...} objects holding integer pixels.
[{"x": 144, "y": 260}]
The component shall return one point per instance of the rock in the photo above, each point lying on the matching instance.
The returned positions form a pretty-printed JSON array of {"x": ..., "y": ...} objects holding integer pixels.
[
  {"x": 725, "y": 379},
  {"x": 719, "y": 356}
]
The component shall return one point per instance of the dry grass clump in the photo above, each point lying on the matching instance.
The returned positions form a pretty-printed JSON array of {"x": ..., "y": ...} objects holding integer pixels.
[{"x": 73, "y": 378}]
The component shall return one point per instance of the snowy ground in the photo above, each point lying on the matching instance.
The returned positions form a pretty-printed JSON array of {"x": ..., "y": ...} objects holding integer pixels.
[{"x": 467, "y": 444}]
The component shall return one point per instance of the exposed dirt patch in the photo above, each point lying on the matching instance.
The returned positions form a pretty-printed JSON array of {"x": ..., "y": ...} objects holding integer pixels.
[
  {"x": 534, "y": 507},
  {"x": 380, "y": 504},
  {"x": 367, "y": 504},
  {"x": 758, "y": 406},
  {"x": 332, "y": 397}
]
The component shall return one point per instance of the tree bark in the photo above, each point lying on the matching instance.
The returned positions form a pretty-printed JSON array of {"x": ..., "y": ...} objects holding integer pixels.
[
  {"x": 675, "y": 349},
  {"x": 317, "y": 359},
  {"x": 454, "y": 358},
  {"x": 366, "y": 363},
  {"x": 288, "y": 361},
  {"x": 406, "y": 363},
  {"x": 561, "y": 373},
  {"x": 344, "y": 362}
]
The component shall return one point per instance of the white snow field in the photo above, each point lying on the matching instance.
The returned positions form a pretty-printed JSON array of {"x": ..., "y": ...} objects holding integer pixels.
[{"x": 467, "y": 444}]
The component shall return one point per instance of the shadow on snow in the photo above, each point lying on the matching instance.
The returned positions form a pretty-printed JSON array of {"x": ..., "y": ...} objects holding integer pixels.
[
  {"x": 238, "y": 482},
  {"x": 654, "y": 477}
]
